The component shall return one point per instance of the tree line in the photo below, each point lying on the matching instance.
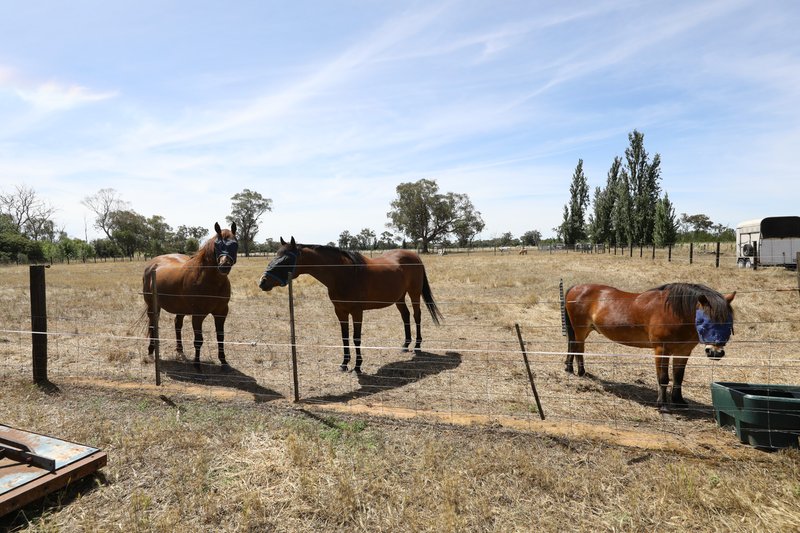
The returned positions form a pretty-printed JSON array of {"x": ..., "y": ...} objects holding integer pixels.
[{"x": 630, "y": 209}]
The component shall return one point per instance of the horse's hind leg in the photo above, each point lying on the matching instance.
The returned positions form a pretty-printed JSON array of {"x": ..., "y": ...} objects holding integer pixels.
[
  {"x": 151, "y": 329},
  {"x": 179, "y": 334},
  {"x": 197, "y": 325},
  {"x": 406, "y": 316},
  {"x": 357, "y": 317},
  {"x": 344, "y": 322}
]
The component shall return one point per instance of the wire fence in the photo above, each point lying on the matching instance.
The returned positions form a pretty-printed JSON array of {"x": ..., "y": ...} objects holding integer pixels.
[{"x": 469, "y": 366}]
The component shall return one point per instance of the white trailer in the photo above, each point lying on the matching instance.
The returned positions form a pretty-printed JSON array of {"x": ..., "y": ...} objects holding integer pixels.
[{"x": 775, "y": 241}]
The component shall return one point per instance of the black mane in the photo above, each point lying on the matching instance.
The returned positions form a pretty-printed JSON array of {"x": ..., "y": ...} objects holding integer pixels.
[
  {"x": 354, "y": 257},
  {"x": 682, "y": 299}
]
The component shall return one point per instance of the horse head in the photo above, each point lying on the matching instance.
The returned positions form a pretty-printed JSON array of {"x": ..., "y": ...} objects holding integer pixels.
[
  {"x": 714, "y": 325},
  {"x": 225, "y": 247},
  {"x": 281, "y": 267}
]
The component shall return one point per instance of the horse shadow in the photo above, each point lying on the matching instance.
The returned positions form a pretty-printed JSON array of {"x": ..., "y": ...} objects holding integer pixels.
[
  {"x": 395, "y": 375},
  {"x": 218, "y": 376},
  {"x": 646, "y": 396}
]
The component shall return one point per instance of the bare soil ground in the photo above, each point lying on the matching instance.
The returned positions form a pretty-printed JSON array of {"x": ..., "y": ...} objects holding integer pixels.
[{"x": 449, "y": 439}]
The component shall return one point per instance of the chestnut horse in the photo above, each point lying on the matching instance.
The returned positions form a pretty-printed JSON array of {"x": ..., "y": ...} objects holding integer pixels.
[
  {"x": 356, "y": 283},
  {"x": 196, "y": 286},
  {"x": 671, "y": 319}
]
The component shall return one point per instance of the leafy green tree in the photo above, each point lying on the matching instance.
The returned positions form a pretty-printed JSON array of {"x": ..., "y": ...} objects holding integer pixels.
[
  {"x": 531, "y": 238},
  {"x": 665, "y": 231},
  {"x": 159, "y": 236},
  {"x": 345, "y": 238},
  {"x": 246, "y": 210},
  {"x": 129, "y": 231},
  {"x": 387, "y": 241},
  {"x": 601, "y": 223},
  {"x": 365, "y": 239},
  {"x": 466, "y": 228},
  {"x": 574, "y": 223},
  {"x": 28, "y": 214},
  {"x": 643, "y": 176},
  {"x": 423, "y": 214}
]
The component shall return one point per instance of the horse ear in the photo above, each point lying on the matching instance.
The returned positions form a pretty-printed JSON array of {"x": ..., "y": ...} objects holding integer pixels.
[
  {"x": 217, "y": 228},
  {"x": 233, "y": 228},
  {"x": 702, "y": 300},
  {"x": 729, "y": 297},
  {"x": 283, "y": 243},
  {"x": 293, "y": 244}
]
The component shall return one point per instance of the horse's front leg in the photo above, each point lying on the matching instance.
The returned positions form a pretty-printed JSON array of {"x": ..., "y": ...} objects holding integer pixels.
[
  {"x": 357, "y": 317},
  {"x": 219, "y": 325},
  {"x": 678, "y": 369},
  {"x": 197, "y": 326},
  {"x": 406, "y": 316},
  {"x": 344, "y": 319},
  {"x": 179, "y": 334},
  {"x": 662, "y": 373}
]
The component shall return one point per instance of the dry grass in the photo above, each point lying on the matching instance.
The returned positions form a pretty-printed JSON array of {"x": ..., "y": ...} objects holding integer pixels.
[{"x": 237, "y": 456}]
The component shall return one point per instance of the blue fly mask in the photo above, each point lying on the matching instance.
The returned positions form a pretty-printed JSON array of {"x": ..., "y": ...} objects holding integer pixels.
[{"x": 712, "y": 333}]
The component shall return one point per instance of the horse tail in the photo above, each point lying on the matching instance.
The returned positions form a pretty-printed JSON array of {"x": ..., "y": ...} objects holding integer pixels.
[{"x": 427, "y": 296}]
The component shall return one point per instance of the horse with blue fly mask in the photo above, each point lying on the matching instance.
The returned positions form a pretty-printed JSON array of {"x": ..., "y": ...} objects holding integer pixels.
[
  {"x": 195, "y": 286},
  {"x": 671, "y": 320},
  {"x": 356, "y": 283}
]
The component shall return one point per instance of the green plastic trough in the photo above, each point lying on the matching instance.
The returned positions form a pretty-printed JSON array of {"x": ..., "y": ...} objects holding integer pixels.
[{"x": 765, "y": 416}]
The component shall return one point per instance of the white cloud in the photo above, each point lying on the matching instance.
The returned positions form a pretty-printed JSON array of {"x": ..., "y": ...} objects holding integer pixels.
[{"x": 52, "y": 96}]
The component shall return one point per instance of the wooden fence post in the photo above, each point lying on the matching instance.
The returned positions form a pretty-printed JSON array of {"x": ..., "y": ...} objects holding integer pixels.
[
  {"x": 154, "y": 332},
  {"x": 38, "y": 323},
  {"x": 293, "y": 341},
  {"x": 691, "y": 252},
  {"x": 530, "y": 374},
  {"x": 797, "y": 268},
  {"x": 654, "y": 251},
  {"x": 669, "y": 254},
  {"x": 755, "y": 256},
  {"x": 717, "y": 254}
]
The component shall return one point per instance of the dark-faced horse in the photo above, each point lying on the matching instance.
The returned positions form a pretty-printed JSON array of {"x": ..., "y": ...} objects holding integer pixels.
[
  {"x": 196, "y": 286},
  {"x": 671, "y": 320},
  {"x": 356, "y": 283}
]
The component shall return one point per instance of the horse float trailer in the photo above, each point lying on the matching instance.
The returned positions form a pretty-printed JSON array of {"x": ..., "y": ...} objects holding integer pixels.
[{"x": 771, "y": 241}]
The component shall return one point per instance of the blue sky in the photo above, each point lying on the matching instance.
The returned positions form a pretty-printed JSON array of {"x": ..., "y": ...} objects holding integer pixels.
[{"x": 326, "y": 106}]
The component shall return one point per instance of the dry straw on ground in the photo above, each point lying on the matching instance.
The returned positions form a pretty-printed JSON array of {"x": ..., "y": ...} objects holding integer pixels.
[{"x": 232, "y": 453}]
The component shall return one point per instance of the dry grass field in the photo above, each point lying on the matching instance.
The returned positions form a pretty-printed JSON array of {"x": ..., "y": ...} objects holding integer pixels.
[{"x": 447, "y": 440}]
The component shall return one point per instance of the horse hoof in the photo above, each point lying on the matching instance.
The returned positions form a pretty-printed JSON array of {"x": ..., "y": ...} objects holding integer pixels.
[
  {"x": 357, "y": 370},
  {"x": 343, "y": 368},
  {"x": 581, "y": 372},
  {"x": 568, "y": 369}
]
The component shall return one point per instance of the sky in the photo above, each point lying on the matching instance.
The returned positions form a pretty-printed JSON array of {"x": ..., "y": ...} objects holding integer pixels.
[{"x": 325, "y": 107}]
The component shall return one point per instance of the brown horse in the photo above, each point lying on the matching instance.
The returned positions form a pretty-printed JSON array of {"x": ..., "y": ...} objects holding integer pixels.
[
  {"x": 356, "y": 283},
  {"x": 671, "y": 319},
  {"x": 196, "y": 286}
]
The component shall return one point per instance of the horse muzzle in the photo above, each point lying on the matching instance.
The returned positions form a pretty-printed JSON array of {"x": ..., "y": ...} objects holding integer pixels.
[
  {"x": 715, "y": 352},
  {"x": 225, "y": 264},
  {"x": 266, "y": 283}
]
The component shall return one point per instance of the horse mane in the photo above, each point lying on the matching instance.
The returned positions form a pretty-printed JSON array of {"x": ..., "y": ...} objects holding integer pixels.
[
  {"x": 205, "y": 254},
  {"x": 354, "y": 257},
  {"x": 682, "y": 300}
]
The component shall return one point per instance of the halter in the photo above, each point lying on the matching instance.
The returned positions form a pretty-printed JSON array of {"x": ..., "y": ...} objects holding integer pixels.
[
  {"x": 710, "y": 332},
  {"x": 276, "y": 264}
]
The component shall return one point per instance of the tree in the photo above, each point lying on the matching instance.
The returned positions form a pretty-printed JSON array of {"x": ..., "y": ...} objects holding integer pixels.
[
  {"x": 643, "y": 176},
  {"x": 103, "y": 204},
  {"x": 344, "y": 239},
  {"x": 665, "y": 230},
  {"x": 468, "y": 227},
  {"x": 365, "y": 239},
  {"x": 129, "y": 231},
  {"x": 601, "y": 223},
  {"x": 531, "y": 238},
  {"x": 159, "y": 235},
  {"x": 246, "y": 210},
  {"x": 425, "y": 215},
  {"x": 621, "y": 212},
  {"x": 28, "y": 214},
  {"x": 387, "y": 241},
  {"x": 574, "y": 222}
]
